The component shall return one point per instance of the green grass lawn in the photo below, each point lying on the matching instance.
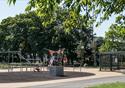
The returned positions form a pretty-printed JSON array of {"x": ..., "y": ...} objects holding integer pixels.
[{"x": 111, "y": 85}]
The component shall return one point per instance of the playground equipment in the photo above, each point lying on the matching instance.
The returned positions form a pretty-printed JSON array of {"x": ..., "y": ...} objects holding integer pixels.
[{"x": 14, "y": 60}]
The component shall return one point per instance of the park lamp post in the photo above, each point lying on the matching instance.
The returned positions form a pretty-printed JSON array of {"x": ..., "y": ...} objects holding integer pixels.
[
  {"x": 82, "y": 52},
  {"x": 82, "y": 47},
  {"x": 82, "y": 57}
]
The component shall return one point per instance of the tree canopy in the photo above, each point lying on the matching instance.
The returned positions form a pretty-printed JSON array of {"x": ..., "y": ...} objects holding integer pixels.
[
  {"x": 68, "y": 23},
  {"x": 114, "y": 39},
  {"x": 88, "y": 8},
  {"x": 26, "y": 32}
]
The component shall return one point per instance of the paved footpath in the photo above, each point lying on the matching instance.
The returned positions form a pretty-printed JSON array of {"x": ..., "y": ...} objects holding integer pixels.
[{"x": 80, "y": 82}]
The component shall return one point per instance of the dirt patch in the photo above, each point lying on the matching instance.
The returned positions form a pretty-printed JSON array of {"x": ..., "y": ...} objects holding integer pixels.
[{"x": 12, "y": 77}]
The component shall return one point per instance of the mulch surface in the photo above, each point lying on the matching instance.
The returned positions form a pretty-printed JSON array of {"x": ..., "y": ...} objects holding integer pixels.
[{"x": 12, "y": 77}]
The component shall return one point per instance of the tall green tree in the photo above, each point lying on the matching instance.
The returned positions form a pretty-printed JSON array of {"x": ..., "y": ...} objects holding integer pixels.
[
  {"x": 16, "y": 30},
  {"x": 114, "y": 39}
]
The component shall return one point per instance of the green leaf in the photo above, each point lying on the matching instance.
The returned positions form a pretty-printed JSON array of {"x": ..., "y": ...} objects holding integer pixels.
[
  {"x": 97, "y": 11},
  {"x": 118, "y": 18},
  {"x": 86, "y": 2},
  {"x": 68, "y": 2},
  {"x": 28, "y": 8},
  {"x": 11, "y": 1},
  {"x": 97, "y": 24},
  {"x": 58, "y": 1}
]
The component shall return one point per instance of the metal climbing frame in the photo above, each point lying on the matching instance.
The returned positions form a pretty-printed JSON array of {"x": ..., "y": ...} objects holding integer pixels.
[{"x": 14, "y": 59}]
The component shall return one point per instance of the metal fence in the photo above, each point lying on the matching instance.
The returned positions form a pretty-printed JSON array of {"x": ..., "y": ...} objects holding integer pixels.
[{"x": 112, "y": 60}]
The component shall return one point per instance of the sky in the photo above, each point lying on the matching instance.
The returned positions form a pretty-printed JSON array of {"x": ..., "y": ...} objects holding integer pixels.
[
  {"x": 7, "y": 10},
  {"x": 12, "y": 10},
  {"x": 104, "y": 27}
]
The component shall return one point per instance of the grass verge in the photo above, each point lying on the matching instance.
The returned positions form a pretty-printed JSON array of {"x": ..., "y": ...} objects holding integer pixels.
[{"x": 110, "y": 85}]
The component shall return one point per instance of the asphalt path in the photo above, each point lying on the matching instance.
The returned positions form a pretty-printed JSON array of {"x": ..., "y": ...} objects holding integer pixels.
[{"x": 82, "y": 83}]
